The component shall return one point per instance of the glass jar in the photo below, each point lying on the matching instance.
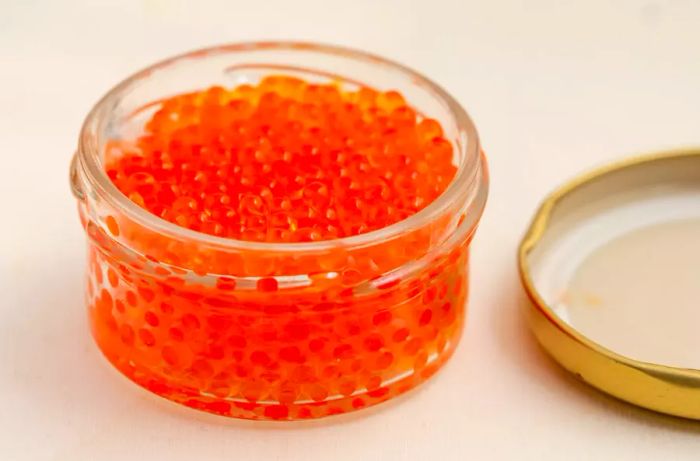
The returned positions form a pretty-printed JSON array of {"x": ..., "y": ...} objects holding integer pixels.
[{"x": 275, "y": 330}]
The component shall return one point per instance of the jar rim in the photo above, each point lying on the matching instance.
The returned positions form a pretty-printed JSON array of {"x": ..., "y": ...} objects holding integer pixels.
[{"x": 471, "y": 172}]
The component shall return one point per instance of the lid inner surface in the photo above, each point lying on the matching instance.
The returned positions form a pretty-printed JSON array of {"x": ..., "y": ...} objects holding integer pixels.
[{"x": 620, "y": 261}]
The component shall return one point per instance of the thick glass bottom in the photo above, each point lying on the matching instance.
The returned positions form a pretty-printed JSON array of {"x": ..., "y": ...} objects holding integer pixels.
[{"x": 266, "y": 409}]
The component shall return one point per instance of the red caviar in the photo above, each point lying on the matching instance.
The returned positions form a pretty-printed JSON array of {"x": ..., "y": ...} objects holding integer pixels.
[
  {"x": 278, "y": 334},
  {"x": 285, "y": 161}
]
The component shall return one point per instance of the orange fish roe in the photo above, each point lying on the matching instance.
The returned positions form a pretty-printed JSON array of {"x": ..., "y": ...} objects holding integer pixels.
[
  {"x": 285, "y": 161},
  {"x": 256, "y": 330}
]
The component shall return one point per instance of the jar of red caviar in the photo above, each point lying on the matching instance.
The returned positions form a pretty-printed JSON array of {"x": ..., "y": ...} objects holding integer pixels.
[{"x": 282, "y": 320}]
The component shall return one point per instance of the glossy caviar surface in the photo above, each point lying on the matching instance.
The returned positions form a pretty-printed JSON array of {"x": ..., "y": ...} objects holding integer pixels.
[
  {"x": 278, "y": 335},
  {"x": 285, "y": 161}
]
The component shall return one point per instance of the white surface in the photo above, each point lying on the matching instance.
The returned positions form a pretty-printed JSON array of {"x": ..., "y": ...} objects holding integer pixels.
[{"x": 555, "y": 87}]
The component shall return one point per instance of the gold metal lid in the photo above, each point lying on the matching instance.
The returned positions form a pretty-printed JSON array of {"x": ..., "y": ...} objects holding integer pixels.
[{"x": 616, "y": 337}]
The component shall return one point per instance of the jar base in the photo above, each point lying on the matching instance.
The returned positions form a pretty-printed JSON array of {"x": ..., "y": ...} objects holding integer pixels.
[{"x": 273, "y": 410}]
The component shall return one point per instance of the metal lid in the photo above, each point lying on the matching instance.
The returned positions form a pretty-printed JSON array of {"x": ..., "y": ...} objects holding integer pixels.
[{"x": 611, "y": 268}]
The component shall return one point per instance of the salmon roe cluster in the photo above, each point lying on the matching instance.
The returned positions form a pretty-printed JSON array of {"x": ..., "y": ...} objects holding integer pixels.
[
  {"x": 278, "y": 334},
  {"x": 285, "y": 161}
]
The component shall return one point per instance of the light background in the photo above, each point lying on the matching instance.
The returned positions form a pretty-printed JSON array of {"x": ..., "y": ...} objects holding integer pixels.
[{"x": 554, "y": 87}]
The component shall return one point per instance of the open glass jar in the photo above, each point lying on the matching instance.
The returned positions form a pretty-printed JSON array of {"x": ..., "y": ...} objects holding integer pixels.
[{"x": 275, "y": 330}]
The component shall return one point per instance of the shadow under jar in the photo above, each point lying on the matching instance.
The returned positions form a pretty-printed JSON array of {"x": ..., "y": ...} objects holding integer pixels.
[{"x": 275, "y": 330}]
